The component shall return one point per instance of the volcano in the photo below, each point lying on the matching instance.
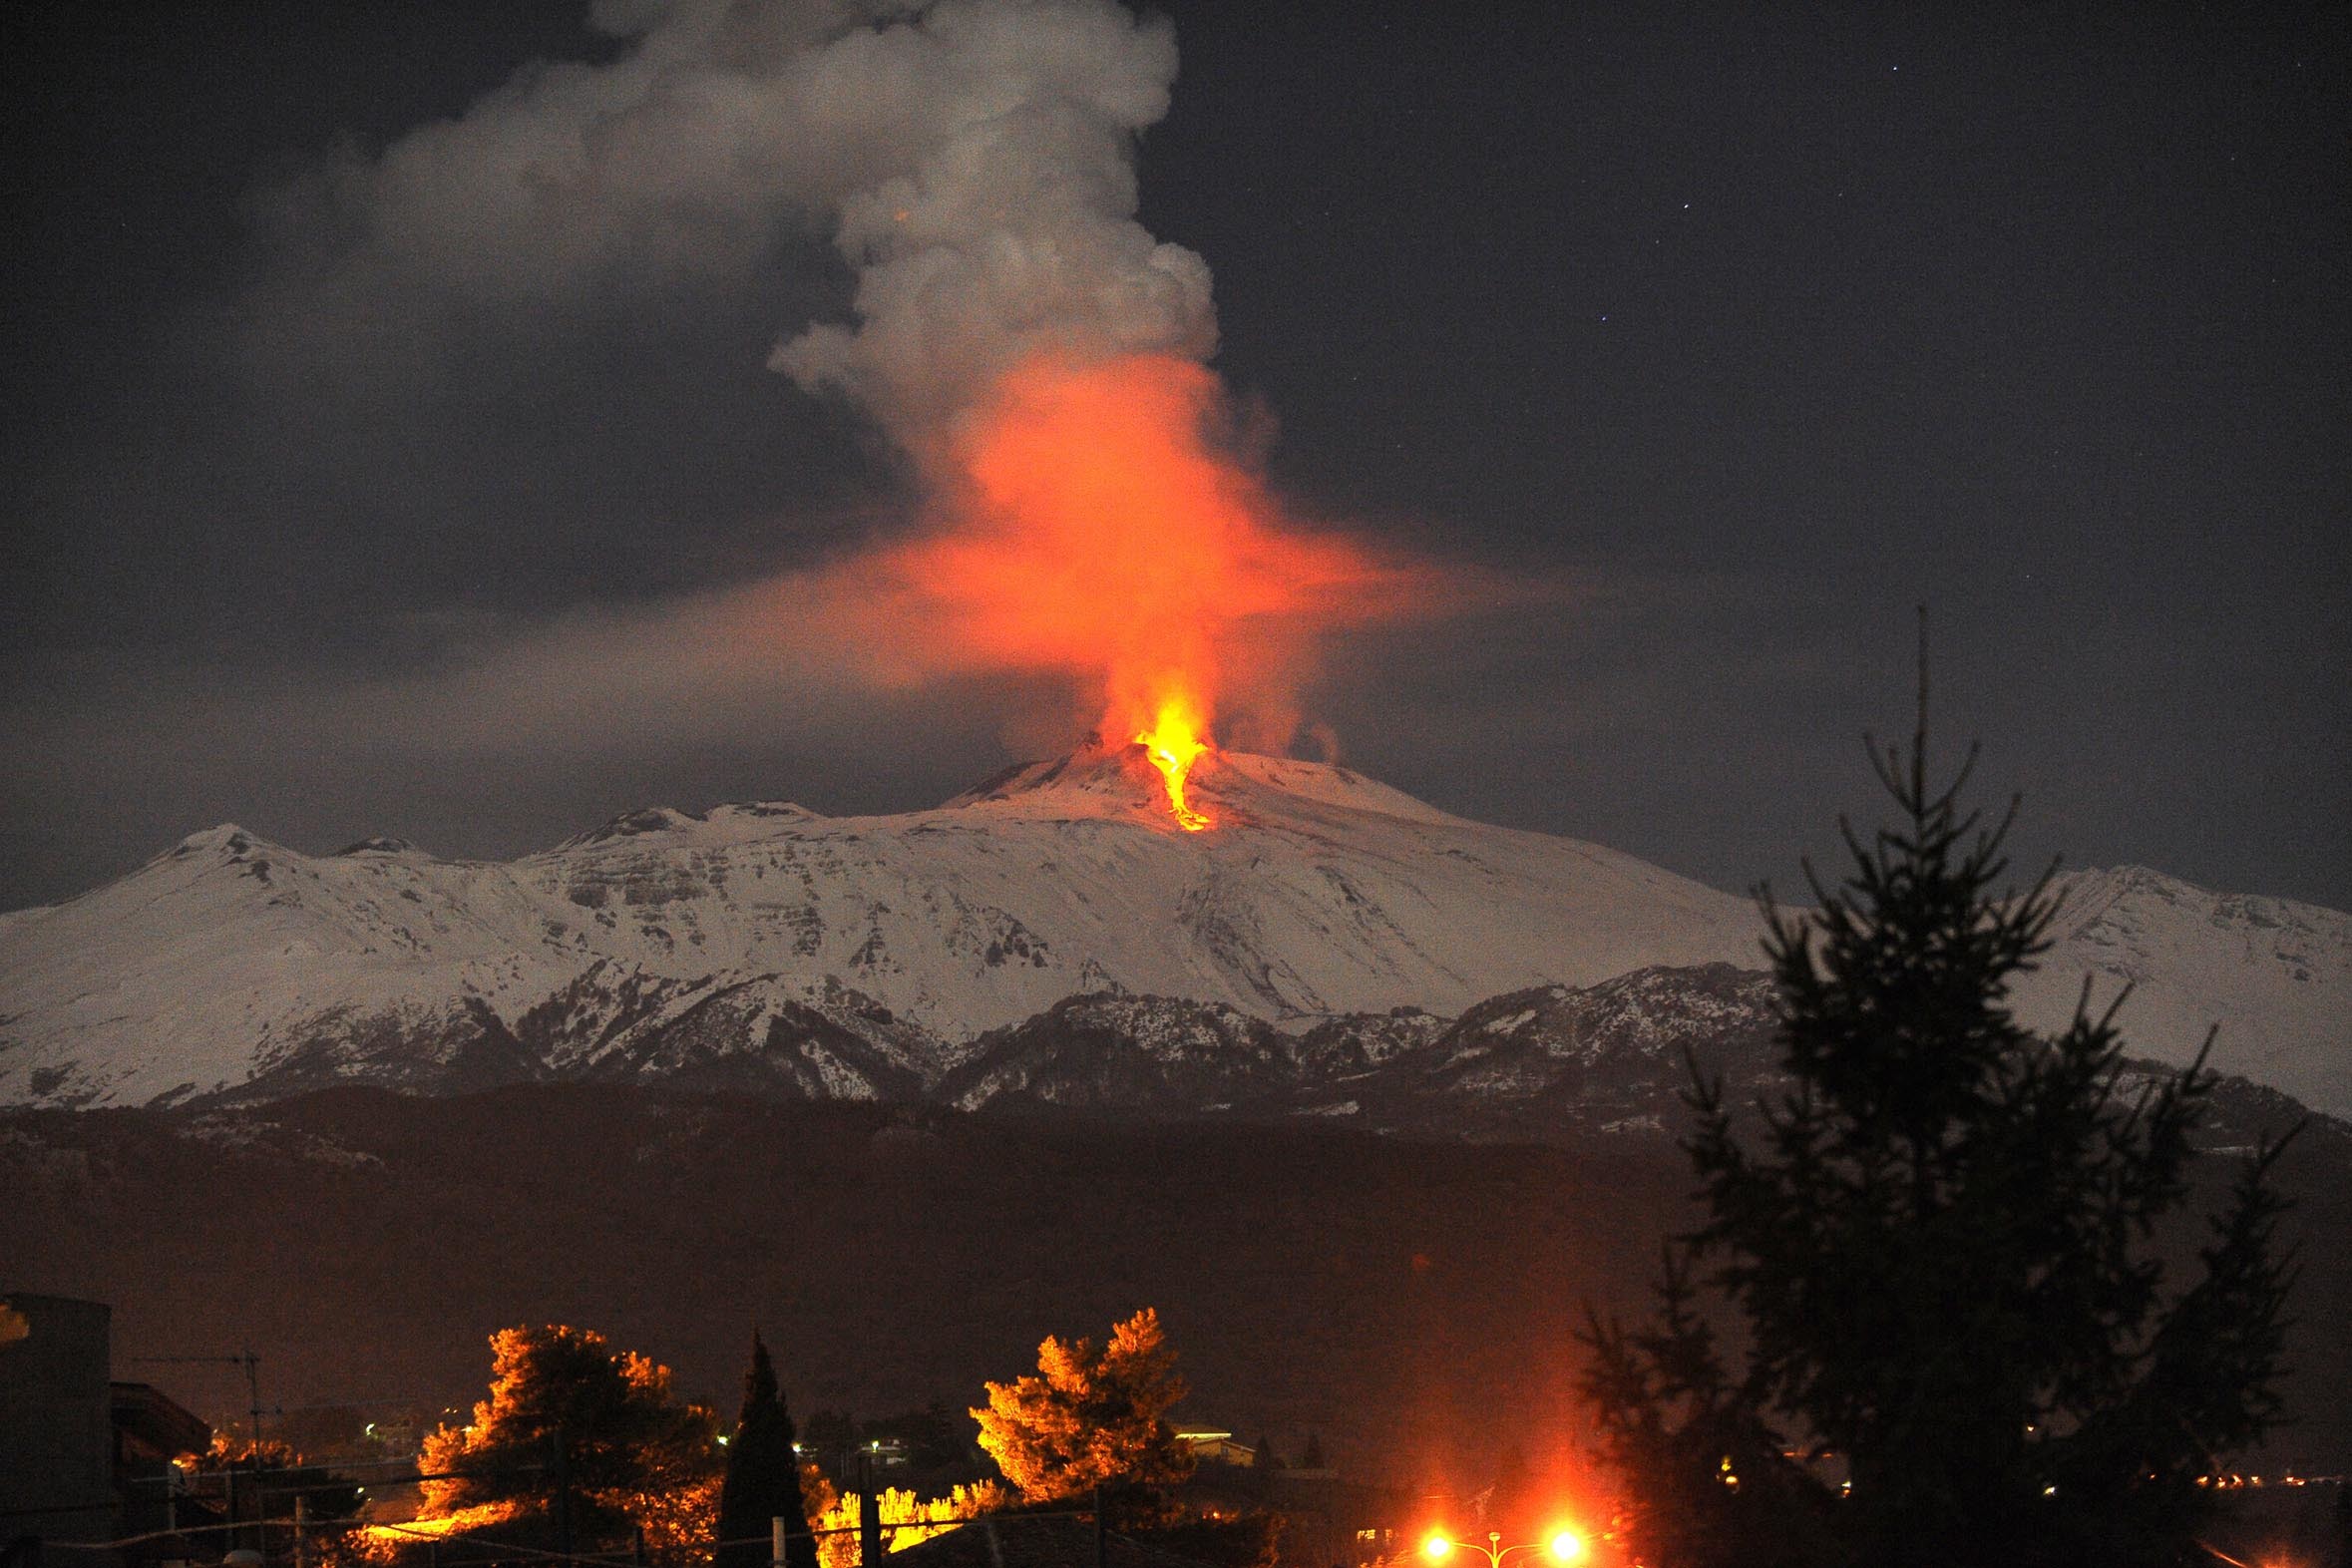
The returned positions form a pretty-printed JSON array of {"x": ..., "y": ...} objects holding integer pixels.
[{"x": 764, "y": 946}]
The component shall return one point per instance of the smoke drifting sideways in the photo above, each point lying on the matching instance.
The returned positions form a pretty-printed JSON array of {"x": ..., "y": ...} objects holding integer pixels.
[{"x": 1088, "y": 515}]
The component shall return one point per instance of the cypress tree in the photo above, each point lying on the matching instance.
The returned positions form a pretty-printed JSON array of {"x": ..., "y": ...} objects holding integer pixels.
[{"x": 763, "y": 1477}]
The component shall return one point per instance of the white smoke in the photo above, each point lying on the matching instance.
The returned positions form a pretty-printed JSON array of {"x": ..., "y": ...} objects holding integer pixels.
[
  {"x": 972, "y": 160},
  {"x": 1014, "y": 230}
]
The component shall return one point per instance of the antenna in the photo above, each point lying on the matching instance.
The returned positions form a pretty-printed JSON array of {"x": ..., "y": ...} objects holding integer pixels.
[
  {"x": 248, "y": 1360},
  {"x": 253, "y": 1365}
]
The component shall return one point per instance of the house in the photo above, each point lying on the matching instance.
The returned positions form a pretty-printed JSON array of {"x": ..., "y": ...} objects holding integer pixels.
[
  {"x": 151, "y": 1431},
  {"x": 1215, "y": 1447},
  {"x": 82, "y": 1458}
]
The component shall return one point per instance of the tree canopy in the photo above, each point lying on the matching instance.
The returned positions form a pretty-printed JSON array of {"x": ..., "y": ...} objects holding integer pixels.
[
  {"x": 564, "y": 1404},
  {"x": 1088, "y": 1418},
  {"x": 1937, "y": 1240}
]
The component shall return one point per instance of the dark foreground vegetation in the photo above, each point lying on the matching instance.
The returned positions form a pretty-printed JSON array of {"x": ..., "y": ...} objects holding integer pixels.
[{"x": 1936, "y": 1244}]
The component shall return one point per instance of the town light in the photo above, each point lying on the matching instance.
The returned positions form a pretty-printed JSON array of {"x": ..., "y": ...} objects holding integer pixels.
[{"x": 1565, "y": 1546}]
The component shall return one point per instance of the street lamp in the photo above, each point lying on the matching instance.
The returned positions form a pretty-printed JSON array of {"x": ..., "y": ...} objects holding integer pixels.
[{"x": 1566, "y": 1546}]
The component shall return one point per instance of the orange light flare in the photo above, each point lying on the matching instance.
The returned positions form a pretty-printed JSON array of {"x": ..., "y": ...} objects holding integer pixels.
[{"x": 1174, "y": 743}]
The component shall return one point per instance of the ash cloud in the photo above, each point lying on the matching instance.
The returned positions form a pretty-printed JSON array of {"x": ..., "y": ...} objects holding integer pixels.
[
  {"x": 973, "y": 165},
  {"x": 971, "y": 161}
]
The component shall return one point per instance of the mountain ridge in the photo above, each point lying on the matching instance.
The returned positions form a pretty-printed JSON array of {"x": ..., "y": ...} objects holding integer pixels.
[{"x": 761, "y": 944}]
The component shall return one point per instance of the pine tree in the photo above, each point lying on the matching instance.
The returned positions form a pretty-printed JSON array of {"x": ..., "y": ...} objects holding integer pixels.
[
  {"x": 626, "y": 1446},
  {"x": 1088, "y": 1418},
  {"x": 763, "y": 1478},
  {"x": 1937, "y": 1241}
]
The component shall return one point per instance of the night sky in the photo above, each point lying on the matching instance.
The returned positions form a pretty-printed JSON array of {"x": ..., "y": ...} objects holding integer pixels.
[{"x": 1745, "y": 330}]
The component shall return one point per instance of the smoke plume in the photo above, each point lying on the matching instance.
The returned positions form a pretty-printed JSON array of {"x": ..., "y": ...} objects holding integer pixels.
[{"x": 1035, "y": 353}]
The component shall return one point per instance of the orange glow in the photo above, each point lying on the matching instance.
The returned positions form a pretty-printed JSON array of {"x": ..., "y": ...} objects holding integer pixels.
[
  {"x": 1568, "y": 1546},
  {"x": 1173, "y": 743},
  {"x": 1095, "y": 521},
  {"x": 1437, "y": 1548},
  {"x": 478, "y": 1516}
]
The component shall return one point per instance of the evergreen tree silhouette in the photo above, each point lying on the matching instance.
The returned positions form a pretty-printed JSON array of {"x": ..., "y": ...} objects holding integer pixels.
[
  {"x": 763, "y": 1477},
  {"x": 1937, "y": 1240}
]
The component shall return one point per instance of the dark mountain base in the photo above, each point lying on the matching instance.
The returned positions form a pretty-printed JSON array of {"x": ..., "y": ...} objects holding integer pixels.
[{"x": 1411, "y": 1302}]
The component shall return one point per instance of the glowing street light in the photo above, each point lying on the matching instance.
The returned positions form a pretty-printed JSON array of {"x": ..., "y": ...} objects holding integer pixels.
[{"x": 1566, "y": 1546}]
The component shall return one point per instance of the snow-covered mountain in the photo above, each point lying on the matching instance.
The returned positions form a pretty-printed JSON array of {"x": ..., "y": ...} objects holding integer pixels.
[
  {"x": 1545, "y": 1062},
  {"x": 763, "y": 946},
  {"x": 2272, "y": 977}
]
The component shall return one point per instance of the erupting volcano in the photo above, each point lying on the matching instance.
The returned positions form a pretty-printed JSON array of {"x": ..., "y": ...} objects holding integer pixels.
[{"x": 1098, "y": 520}]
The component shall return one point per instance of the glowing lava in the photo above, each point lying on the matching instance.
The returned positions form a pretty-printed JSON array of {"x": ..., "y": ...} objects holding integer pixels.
[
  {"x": 1173, "y": 743},
  {"x": 1101, "y": 519}
]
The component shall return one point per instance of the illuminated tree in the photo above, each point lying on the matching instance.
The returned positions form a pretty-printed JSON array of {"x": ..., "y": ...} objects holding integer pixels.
[
  {"x": 565, "y": 1407},
  {"x": 1089, "y": 1417},
  {"x": 275, "y": 1470},
  {"x": 1937, "y": 1239},
  {"x": 763, "y": 1477},
  {"x": 906, "y": 1518}
]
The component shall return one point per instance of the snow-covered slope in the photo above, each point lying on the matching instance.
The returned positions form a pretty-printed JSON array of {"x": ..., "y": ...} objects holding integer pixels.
[
  {"x": 1547, "y": 1064},
  {"x": 764, "y": 946},
  {"x": 2273, "y": 977},
  {"x": 1318, "y": 892}
]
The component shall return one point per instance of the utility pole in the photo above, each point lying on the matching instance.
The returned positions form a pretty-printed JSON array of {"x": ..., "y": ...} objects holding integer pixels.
[
  {"x": 563, "y": 1491},
  {"x": 301, "y": 1535},
  {"x": 253, "y": 1365},
  {"x": 869, "y": 1515},
  {"x": 254, "y": 1395}
]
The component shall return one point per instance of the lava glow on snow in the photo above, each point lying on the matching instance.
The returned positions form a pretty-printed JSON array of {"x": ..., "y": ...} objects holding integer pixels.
[{"x": 1097, "y": 519}]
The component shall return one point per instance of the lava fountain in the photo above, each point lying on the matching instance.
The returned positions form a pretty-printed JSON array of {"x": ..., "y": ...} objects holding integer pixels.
[{"x": 1172, "y": 745}]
